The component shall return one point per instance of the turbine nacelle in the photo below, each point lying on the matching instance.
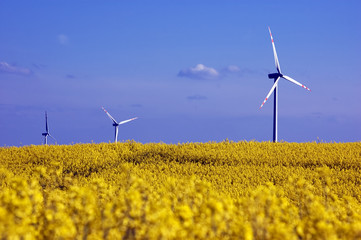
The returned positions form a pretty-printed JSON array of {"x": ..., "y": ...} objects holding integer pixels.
[{"x": 274, "y": 75}]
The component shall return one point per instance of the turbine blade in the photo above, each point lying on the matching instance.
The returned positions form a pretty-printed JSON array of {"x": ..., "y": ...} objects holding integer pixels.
[
  {"x": 274, "y": 52},
  {"x": 46, "y": 122},
  {"x": 53, "y": 138},
  {"x": 270, "y": 92},
  {"x": 110, "y": 116},
  {"x": 295, "y": 82},
  {"x": 125, "y": 121}
]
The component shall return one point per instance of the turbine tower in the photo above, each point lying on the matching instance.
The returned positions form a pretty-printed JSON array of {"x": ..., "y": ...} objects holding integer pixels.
[
  {"x": 276, "y": 77},
  {"x": 47, "y": 133},
  {"x": 116, "y": 124}
]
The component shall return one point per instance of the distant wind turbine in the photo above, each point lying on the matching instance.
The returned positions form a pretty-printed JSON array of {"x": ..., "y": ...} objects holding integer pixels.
[
  {"x": 276, "y": 77},
  {"x": 116, "y": 124},
  {"x": 47, "y": 133}
]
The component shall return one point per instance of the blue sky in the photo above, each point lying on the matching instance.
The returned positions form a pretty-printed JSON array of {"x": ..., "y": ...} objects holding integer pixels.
[{"x": 192, "y": 71}]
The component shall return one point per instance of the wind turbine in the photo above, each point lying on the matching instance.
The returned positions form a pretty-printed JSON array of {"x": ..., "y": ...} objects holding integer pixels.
[
  {"x": 276, "y": 77},
  {"x": 47, "y": 133},
  {"x": 116, "y": 124}
]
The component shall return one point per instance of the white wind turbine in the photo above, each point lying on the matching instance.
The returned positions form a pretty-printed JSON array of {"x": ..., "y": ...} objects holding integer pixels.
[
  {"x": 47, "y": 133},
  {"x": 276, "y": 77},
  {"x": 116, "y": 124}
]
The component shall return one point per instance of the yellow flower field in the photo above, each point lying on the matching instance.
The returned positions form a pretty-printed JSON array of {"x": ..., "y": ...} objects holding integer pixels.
[{"x": 226, "y": 190}]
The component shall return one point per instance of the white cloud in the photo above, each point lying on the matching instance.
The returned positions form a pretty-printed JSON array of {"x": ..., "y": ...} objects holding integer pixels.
[
  {"x": 232, "y": 69},
  {"x": 63, "y": 39},
  {"x": 199, "y": 72},
  {"x": 7, "y": 68}
]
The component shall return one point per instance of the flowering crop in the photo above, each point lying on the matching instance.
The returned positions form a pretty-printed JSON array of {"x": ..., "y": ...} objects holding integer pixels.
[{"x": 226, "y": 190}]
